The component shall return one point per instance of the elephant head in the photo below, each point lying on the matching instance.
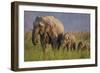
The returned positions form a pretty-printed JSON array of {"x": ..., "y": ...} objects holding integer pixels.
[{"x": 38, "y": 28}]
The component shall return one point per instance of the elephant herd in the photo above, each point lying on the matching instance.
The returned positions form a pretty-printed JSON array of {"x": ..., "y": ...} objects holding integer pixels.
[{"x": 48, "y": 30}]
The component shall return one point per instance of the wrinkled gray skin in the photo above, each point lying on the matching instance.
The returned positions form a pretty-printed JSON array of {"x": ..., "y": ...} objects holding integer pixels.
[
  {"x": 69, "y": 41},
  {"x": 49, "y": 26}
]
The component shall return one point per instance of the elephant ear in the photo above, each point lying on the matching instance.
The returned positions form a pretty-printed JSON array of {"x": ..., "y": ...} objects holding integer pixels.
[{"x": 39, "y": 20}]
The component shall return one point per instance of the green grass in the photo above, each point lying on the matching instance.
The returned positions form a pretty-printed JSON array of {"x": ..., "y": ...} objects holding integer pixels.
[{"x": 35, "y": 53}]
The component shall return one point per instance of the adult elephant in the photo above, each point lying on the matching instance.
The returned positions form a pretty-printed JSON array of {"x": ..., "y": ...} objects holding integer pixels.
[{"x": 51, "y": 26}]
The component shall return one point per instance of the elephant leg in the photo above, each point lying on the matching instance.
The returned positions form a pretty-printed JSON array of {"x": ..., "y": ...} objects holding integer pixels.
[
  {"x": 53, "y": 45},
  {"x": 59, "y": 43},
  {"x": 78, "y": 47},
  {"x": 68, "y": 47},
  {"x": 60, "y": 40},
  {"x": 74, "y": 46},
  {"x": 43, "y": 44}
]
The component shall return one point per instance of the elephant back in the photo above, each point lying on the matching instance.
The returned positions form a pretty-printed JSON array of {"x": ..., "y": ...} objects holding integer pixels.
[{"x": 54, "y": 23}]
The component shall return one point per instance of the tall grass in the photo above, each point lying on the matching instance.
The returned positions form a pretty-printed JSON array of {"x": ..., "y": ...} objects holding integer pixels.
[{"x": 35, "y": 53}]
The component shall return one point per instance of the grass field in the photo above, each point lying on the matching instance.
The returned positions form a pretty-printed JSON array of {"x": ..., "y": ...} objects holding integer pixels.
[{"x": 35, "y": 53}]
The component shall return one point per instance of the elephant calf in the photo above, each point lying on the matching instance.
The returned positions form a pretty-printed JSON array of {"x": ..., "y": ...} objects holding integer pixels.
[
  {"x": 82, "y": 45},
  {"x": 69, "y": 41}
]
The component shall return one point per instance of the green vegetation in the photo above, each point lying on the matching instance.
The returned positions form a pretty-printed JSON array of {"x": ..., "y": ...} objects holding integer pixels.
[{"x": 35, "y": 53}]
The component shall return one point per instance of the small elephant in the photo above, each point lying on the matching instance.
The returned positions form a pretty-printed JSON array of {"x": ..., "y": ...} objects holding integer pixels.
[
  {"x": 82, "y": 45},
  {"x": 69, "y": 41}
]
